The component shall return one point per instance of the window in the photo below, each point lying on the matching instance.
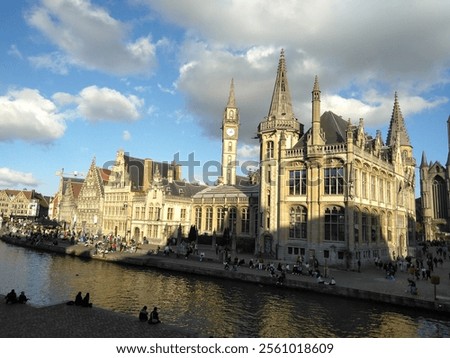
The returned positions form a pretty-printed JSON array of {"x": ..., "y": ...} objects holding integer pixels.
[
  {"x": 232, "y": 220},
  {"x": 374, "y": 228},
  {"x": 169, "y": 213},
  {"x": 198, "y": 218},
  {"x": 209, "y": 219},
  {"x": 373, "y": 192},
  {"x": 365, "y": 226},
  {"x": 269, "y": 150},
  {"x": 356, "y": 225},
  {"x": 364, "y": 185},
  {"x": 245, "y": 221},
  {"x": 335, "y": 224},
  {"x": 220, "y": 219},
  {"x": 183, "y": 214},
  {"x": 297, "y": 182},
  {"x": 439, "y": 193},
  {"x": 298, "y": 219},
  {"x": 334, "y": 181}
]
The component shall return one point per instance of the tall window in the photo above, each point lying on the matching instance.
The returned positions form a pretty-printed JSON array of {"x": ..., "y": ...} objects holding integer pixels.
[
  {"x": 381, "y": 190},
  {"x": 150, "y": 213},
  {"x": 245, "y": 221},
  {"x": 365, "y": 226},
  {"x": 374, "y": 228},
  {"x": 232, "y": 220},
  {"x": 198, "y": 218},
  {"x": 269, "y": 150},
  {"x": 183, "y": 214},
  {"x": 373, "y": 192},
  {"x": 356, "y": 224},
  {"x": 297, "y": 182},
  {"x": 335, "y": 224},
  {"x": 388, "y": 192},
  {"x": 209, "y": 218},
  {"x": 334, "y": 181},
  {"x": 169, "y": 213},
  {"x": 220, "y": 219},
  {"x": 364, "y": 185},
  {"x": 439, "y": 193},
  {"x": 298, "y": 222}
]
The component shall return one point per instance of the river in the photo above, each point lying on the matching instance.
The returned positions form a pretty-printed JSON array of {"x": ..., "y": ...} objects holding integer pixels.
[{"x": 214, "y": 307}]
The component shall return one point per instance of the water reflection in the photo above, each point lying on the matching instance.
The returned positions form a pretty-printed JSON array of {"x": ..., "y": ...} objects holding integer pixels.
[{"x": 219, "y": 308}]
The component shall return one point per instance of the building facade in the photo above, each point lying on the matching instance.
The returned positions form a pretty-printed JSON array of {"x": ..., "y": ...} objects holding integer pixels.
[
  {"x": 435, "y": 196},
  {"x": 22, "y": 204},
  {"x": 333, "y": 193}
]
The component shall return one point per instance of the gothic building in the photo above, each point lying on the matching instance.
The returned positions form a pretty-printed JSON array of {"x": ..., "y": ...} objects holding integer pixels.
[
  {"x": 333, "y": 192},
  {"x": 435, "y": 196},
  {"x": 90, "y": 200}
]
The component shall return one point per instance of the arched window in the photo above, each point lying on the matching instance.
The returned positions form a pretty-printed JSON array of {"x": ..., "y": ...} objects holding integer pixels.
[
  {"x": 232, "y": 220},
  {"x": 298, "y": 222},
  {"x": 220, "y": 219},
  {"x": 335, "y": 224},
  {"x": 439, "y": 195}
]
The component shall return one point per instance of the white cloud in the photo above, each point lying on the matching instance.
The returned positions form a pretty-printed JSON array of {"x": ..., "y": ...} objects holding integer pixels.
[
  {"x": 248, "y": 152},
  {"x": 350, "y": 44},
  {"x": 11, "y": 179},
  {"x": 25, "y": 114},
  {"x": 98, "y": 104},
  {"x": 14, "y": 51},
  {"x": 90, "y": 38},
  {"x": 126, "y": 135},
  {"x": 54, "y": 61}
]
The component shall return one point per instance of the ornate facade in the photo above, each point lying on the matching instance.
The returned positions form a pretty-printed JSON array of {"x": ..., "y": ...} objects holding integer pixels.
[
  {"x": 90, "y": 200},
  {"x": 22, "y": 204},
  {"x": 435, "y": 196},
  {"x": 334, "y": 192}
]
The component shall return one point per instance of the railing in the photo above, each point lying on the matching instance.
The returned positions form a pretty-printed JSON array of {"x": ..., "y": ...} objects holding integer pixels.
[{"x": 279, "y": 124}]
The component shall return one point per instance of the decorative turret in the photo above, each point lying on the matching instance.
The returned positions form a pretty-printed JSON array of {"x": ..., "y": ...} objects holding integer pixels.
[
  {"x": 397, "y": 126},
  {"x": 316, "y": 135}
]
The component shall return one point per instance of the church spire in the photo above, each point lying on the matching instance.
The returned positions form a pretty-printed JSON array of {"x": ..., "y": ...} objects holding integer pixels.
[
  {"x": 231, "y": 96},
  {"x": 281, "y": 105},
  {"x": 397, "y": 127}
]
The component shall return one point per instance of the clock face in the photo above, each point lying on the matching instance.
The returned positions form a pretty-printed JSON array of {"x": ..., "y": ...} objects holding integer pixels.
[{"x": 230, "y": 131}]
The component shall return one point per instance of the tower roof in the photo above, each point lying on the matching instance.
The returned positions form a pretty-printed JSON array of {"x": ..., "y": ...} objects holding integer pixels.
[
  {"x": 397, "y": 127},
  {"x": 231, "y": 96},
  {"x": 281, "y": 105}
]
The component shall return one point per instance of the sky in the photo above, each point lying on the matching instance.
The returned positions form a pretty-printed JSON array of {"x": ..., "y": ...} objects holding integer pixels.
[{"x": 81, "y": 79}]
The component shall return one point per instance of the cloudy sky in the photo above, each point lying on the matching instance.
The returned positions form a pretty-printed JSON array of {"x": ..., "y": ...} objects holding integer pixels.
[{"x": 83, "y": 78}]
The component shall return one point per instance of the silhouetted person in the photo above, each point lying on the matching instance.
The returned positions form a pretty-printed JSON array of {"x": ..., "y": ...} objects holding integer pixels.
[
  {"x": 11, "y": 297},
  {"x": 154, "y": 316},
  {"x": 78, "y": 299},
  {"x": 143, "y": 314},
  {"x": 22, "y": 298},
  {"x": 86, "y": 302}
]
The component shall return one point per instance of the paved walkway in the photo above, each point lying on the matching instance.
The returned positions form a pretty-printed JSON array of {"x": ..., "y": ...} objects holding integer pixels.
[{"x": 70, "y": 321}]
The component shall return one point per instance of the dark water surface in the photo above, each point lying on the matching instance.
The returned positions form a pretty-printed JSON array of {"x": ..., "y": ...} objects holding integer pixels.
[{"x": 213, "y": 307}]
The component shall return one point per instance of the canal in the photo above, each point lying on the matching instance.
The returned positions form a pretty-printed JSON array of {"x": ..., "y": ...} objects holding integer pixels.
[{"x": 213, "y": 307}]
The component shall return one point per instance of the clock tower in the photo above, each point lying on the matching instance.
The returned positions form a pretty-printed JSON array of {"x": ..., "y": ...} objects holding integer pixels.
[{"x": 230, "y": 127}]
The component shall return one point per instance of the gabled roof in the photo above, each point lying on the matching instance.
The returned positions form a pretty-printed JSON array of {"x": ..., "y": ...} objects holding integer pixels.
[
  {"x": 180, "y": 188},
  {"x": 333, "y": 126}
]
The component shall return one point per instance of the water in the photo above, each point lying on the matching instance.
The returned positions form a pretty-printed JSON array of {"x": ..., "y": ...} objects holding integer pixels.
[{"x": 214, "y": 307}]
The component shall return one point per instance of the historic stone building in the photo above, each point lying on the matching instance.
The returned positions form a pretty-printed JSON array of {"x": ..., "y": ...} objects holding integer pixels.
[
  {"x": 232, "y": 204},
  {"x": 135, "y": 199},
  {"x": 65, "y": 202},
  {"x": 435, "y": 196},
  {"x": 90, "y": 200},
  {"x": 332, "y": 192},
  {"x": 22, "y": 204}
]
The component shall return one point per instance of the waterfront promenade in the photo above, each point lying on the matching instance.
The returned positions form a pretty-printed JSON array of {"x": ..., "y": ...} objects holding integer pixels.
[{"x": 69, "y": 321}]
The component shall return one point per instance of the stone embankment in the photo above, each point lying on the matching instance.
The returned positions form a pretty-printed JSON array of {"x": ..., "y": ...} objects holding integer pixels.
[{"x": 370, "y": 284}]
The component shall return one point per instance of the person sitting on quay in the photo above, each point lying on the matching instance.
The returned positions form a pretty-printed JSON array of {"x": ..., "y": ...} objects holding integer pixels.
[
  {"x": 320, "y": 279},
  {"x": 22, "y": 298},
  {"x": 143, "y": 314},
  {"x": 78, "y": 299},
  {"x": 85, "y": 302},
  {"x": 154, "y": 317},
  {"x": 11, "y": 297},
  {"x": 332, "y": 282}
]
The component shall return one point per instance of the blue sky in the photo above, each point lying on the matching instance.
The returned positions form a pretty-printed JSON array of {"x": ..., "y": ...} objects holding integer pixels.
[{"x": 83, "y": 78}]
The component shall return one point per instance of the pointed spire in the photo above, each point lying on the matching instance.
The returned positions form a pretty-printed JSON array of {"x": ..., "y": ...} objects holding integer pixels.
[
  {"x": 316, "y": 84},
  {"x": 231, "y": 96},
  {"x": 281, "y": 105},
  {"x": 424, "y": 162},
  {"x": 397, "y": 127}
]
